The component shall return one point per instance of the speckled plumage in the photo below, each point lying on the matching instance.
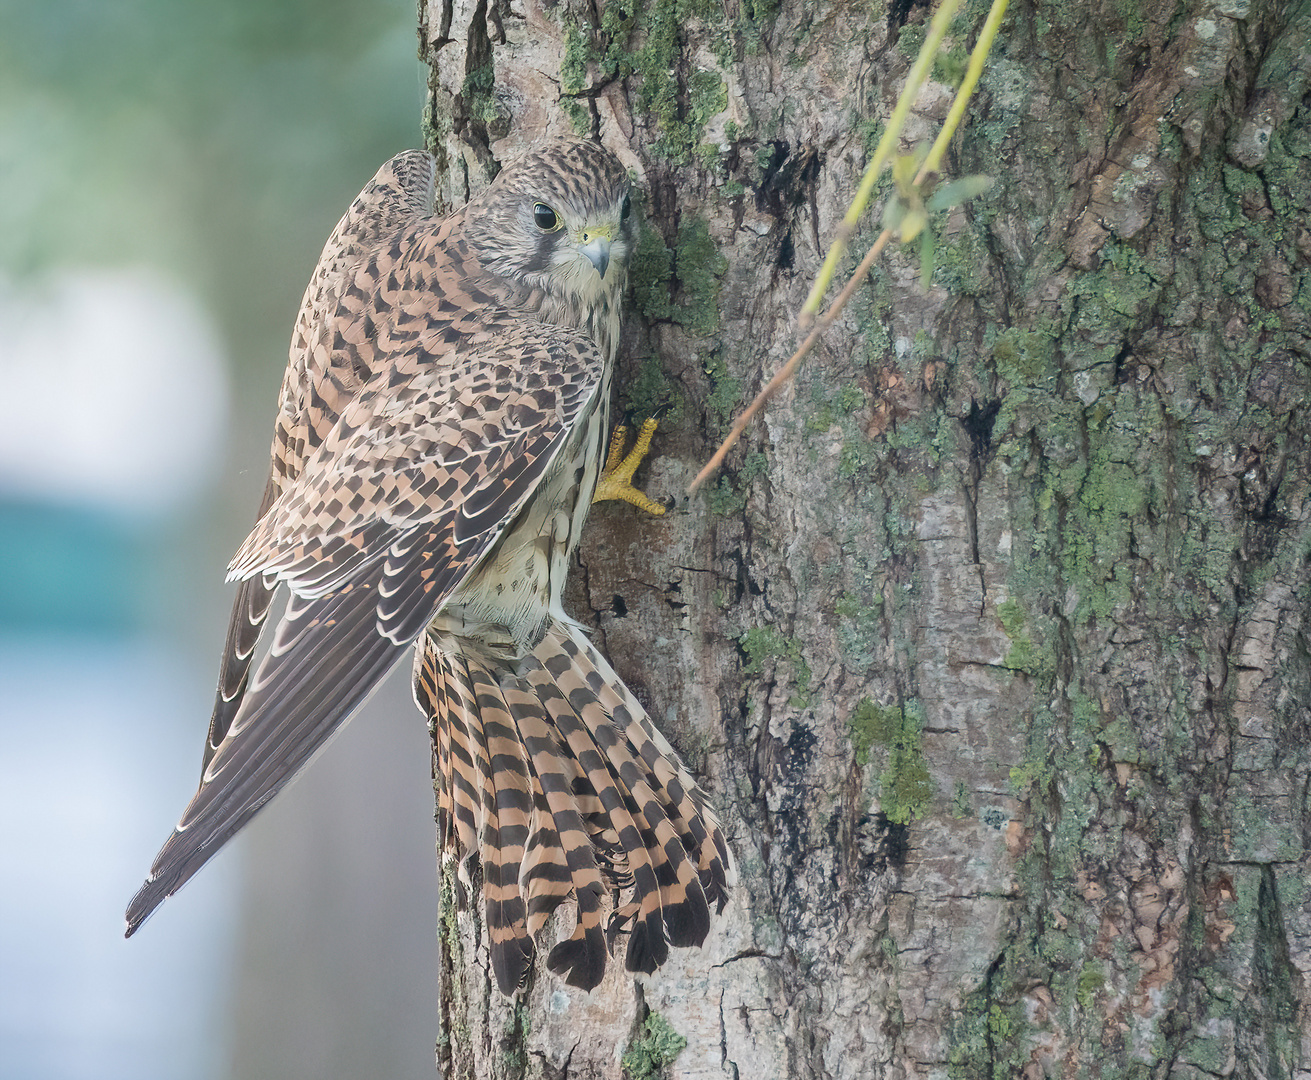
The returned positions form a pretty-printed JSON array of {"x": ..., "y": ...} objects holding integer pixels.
[{"x": 437, "y": 446}]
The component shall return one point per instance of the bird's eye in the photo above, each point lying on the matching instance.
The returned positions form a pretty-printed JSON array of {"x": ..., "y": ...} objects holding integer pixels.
[
  {"x": 626, "y": 209},
  {"x": 544, "y": 217}
]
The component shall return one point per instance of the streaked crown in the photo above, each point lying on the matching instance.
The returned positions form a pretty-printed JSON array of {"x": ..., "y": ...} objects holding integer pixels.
[{"x": 558, "y": 219}]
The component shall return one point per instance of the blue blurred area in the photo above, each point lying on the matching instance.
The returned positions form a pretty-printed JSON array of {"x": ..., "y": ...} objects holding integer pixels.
[
  {"x": 169, "y": 171},
  {"x": 94, "y": 762},
  {"x": 71, "y": 568}
]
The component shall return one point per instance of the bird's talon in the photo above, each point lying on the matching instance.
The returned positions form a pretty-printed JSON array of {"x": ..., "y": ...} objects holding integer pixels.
[
  {"x": 617, "y": 477},
  {"x": 615, "y": 455}
]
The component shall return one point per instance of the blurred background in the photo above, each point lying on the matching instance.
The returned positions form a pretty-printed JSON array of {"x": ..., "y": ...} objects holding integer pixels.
[{"x": 169, "y": 171}]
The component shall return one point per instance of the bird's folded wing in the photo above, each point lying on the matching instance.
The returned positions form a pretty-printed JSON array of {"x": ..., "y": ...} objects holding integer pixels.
[
  {"x": 395, "y": 508},
  {"x": 454, "y": 449},
  {"x": 250, "y": 609},
  {"x": 399, "y": 194}
]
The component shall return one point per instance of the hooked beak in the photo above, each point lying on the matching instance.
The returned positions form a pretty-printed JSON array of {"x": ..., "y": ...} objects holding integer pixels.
[{"x": 597, "y": 250}]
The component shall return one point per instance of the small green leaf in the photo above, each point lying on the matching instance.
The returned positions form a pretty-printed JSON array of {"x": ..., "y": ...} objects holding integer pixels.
[
  {"x": 913, "y": 223},
  {"x": 926, "y": 259},
  {"x": 959, "y": 191},
  {"x": 893, "y": 213},
  {"x": 903, "y": 171}
]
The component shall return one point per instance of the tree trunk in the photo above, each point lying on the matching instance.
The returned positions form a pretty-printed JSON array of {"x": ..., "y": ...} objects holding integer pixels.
[{"x": 990, "y": 642}]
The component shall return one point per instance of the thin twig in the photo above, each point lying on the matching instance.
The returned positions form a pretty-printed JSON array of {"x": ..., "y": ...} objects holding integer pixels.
[
  {"x": 965, "y": 91},
  {"x": 789, "y": 369},
  {"x": 919, "y": 73},
  {"x": 847, "y": 227}
]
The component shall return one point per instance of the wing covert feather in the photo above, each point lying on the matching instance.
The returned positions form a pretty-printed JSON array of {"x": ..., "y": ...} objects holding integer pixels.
[
  {"x": 399, "y": 194},
  {"x": 433, "y": 455}
]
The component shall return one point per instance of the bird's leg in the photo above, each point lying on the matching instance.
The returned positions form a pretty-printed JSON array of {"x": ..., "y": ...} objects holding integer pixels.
[{"x": 617, "y": 477}]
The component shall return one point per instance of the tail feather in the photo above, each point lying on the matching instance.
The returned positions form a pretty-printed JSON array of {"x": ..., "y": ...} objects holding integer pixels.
[
  {"x": 509, "y": 802},
  {"x": 430, "y": 697},
  {"x": 685, "y": 802},
  {"x": 552, "y": 773},
  {"x": 459, "y": 798},
  {"x": 564, "y": 845},
  {"x": 490, "y": 790},
  {"x": 532, "y": 867},
  {"x": 670, "y": 906},
  {"x": 581, "y": 957},
  {"x": 619, "y": 804},
  {"x": 545, "y": 877}
]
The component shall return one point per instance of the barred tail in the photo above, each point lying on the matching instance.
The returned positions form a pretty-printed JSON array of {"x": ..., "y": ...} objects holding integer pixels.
[{"x": 554, "y": 776}]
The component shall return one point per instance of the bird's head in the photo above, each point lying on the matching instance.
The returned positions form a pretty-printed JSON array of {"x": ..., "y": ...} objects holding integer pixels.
[{"x": 558, "y": 219}]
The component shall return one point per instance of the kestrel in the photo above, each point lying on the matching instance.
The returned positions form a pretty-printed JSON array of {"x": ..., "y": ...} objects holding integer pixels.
[{"x": 438, "y": 444}]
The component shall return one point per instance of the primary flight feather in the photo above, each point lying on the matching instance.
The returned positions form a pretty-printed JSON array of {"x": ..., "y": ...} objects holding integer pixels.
[{"x": 438, "y": 444}]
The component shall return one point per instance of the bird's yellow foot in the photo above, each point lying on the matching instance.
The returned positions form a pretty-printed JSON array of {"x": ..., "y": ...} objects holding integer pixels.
[{"x": 617, "y": 477}]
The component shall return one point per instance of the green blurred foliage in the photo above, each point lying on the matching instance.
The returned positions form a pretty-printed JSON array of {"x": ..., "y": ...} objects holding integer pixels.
[{"x": 218, "y": 141}]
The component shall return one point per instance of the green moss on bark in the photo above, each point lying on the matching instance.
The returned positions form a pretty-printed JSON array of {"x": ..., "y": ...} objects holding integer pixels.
[
  {"x": 762, "y": 644},
  {"x": 700, "y": 268},
  {"x": 653, "y": 1050},
  {"x": 694, "y": 269},
  {"x": 676, "y": 100},
  {"x": 905, "y": 788}
]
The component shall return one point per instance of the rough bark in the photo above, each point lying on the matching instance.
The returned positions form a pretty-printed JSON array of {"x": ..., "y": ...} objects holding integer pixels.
[{"x": 991, "y": 641}]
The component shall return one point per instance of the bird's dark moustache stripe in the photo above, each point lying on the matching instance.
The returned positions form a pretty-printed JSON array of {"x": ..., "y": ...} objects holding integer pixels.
[{"x": 543, "y": 252}]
